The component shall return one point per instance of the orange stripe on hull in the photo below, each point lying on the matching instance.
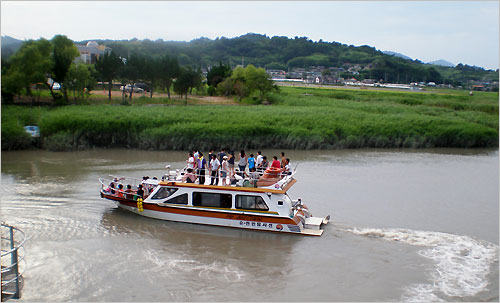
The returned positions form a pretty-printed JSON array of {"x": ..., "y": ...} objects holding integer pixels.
[{"x": 205, "y": 212}]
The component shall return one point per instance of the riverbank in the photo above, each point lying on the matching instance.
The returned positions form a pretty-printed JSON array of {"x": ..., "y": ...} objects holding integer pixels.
[{"x": 302, "y": 118}]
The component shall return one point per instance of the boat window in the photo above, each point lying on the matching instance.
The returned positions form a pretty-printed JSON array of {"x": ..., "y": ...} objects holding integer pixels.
[
  {"x": 164, "y": 192},
  {"x": 212, "y": 200},
  {"x": 251, "y": 202},
  {"x": 180, "y": 199}
]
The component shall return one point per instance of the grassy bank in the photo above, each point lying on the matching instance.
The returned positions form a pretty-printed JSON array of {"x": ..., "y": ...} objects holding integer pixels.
[{"x": 304, "y": 118}]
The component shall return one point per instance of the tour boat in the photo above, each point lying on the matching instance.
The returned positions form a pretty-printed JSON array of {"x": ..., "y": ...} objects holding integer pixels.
[{"x": 264, "y": 206}]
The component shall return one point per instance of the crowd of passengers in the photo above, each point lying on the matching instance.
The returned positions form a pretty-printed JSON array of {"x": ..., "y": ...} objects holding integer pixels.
[
  {"x": 224, "y": 166},
  {"x": 143, "y": 189},
  {"x": 218, "y": 166}
]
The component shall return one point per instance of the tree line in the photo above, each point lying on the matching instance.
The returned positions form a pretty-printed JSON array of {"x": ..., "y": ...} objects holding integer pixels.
[
  {"x": 301, "y": 52},
  {"x": 46, "y": 63}
]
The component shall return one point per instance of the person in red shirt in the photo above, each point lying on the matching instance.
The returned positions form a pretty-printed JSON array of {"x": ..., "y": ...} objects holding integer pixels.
[{"x": 276, "y": 163}]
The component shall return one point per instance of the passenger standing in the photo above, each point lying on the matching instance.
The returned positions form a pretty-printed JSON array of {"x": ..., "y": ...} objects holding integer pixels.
[
  {"x": 283, "y": 160},
  {"x": 259, "y": 159},
  {"x": 230, "y": 163},
  {"x": 210, "y": 153},
  {"x": 224, "y": 170},
  {"x": 196, "y": 154},
  {"x": 214, "y": 168},
  {"x": 191, "y": 161},
  {"x": 222, "y": 154},
  {"x": 202, "y": 165},
  {"x": 251, "y": 162},
  {"x": 242, "y": 163}
]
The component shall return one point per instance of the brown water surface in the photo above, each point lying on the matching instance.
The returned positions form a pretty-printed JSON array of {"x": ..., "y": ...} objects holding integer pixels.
[{"x": 406, "y": 225}]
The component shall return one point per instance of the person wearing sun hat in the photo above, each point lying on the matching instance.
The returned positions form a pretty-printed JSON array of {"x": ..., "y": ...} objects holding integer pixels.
[{"x": 224, "y": 170}]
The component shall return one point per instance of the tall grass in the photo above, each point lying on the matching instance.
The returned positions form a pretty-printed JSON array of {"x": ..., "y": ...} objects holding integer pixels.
[{"x": 300, "y": 119}]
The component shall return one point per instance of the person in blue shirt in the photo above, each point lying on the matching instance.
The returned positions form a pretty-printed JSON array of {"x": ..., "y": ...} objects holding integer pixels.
[{"x": 251, "y": 162}]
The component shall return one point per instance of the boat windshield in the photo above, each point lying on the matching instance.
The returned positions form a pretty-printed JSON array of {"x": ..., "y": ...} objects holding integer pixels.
[{"x": 163, "y": 192}]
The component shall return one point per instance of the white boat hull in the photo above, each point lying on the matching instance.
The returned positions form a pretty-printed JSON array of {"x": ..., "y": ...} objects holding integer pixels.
[{"x": 240, "y": 220}]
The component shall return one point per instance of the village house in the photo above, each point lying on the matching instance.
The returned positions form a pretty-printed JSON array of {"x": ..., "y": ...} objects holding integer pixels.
[{"x": 90, "y": 52}]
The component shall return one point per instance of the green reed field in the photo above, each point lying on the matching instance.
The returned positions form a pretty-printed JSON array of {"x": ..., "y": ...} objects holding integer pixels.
[{"x": 299, "y": 118}]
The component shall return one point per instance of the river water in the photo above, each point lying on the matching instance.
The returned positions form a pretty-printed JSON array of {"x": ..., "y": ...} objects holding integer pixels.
[{"x": 407, "y": 225}]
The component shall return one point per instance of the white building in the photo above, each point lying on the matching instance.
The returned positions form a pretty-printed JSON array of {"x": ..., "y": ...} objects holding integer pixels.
[{"x": 90, "y": 52}]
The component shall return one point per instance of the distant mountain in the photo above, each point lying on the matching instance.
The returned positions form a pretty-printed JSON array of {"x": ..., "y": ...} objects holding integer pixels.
[
  {"x": 9, "y": 46},
  {"x": 391, "y": 53},
  {"x": 442, "y": 62},
  {"x": 9, "y": 41}
]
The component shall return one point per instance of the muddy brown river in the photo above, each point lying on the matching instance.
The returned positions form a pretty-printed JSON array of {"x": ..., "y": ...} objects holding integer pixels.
[{"x": 407, "y": 225}]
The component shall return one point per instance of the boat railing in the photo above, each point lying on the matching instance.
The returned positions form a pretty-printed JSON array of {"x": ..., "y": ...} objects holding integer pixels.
[
  {"x": 148, "y": 186},
  {"x": 13, "y": 263},
  {"x": 240, "y": 176}
]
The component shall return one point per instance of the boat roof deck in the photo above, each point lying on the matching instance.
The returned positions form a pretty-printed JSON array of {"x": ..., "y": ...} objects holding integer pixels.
[{"x": 283, "y": 190}]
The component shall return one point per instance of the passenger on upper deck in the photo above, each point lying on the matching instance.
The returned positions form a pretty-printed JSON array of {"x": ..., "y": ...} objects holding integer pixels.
[
  {"x": 258, "y": 159},
  {"x": 287, "y": 170},
  {"x": 202, "y": 165},
  {"x": 189, "y": 177},
  {"x": 214, "y": 170},
  {"x": 251, "y": 162},
  {"x": 254, "y": 177},
  {"x": 275, "y": 163},
  {"x": 242, "y": 163},
  {"x": 191, "y": 163},
  {"x": 263, "y": 165},
  {"x": 222, "y": 154},
  {"x": 230, "y": 162},
  {"x": 224, "y": 170}
]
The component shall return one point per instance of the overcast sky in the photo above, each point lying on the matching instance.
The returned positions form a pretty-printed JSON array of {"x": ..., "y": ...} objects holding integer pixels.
[{"x": 457, "y": 31}]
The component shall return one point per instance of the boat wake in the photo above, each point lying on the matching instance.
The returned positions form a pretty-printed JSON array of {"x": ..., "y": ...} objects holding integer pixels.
[
  {"x": 215, "y": 270},
  {"x": 462, "y": 263}
]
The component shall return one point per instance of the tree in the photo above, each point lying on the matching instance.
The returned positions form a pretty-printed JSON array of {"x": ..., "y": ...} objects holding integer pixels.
[
  {"x": 152, "y": 72},
  {"x": 29, "y": 65},
  {"x": 63, "y": 54},
  {"x": 80, "y": 80},
  {"x": 257, "y": 79},
  {"x": 245, "y": 81},
  {"x": 187, "y": 80},
  {"x": 134, "y": 70},
  {"x": 169, "y": 70},
  {"x": 217, "y": 74},
  {"x": 181, "y": 84},
  {"x": 109, "y": 66}
]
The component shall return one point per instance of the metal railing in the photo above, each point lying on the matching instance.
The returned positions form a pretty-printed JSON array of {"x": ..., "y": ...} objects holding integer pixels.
[{"x": 11, "y": 258}]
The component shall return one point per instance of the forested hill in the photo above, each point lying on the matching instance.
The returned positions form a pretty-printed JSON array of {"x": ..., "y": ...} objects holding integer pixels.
[
  {"x": 300, "y": 52},
  {"x": 363, "y": 62}
]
